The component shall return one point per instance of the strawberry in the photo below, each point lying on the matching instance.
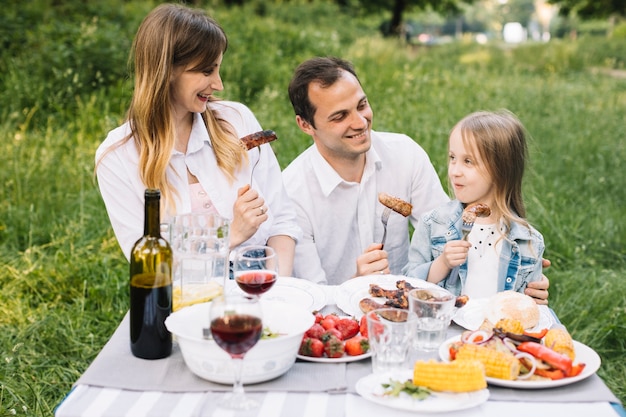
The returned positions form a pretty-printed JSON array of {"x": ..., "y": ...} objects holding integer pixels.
[
  {"x": 329, "y": 321},
  {"x": 331, "y": 333},
  {"x": 363, "y": 326},
  {"x": 348, "y": 328},
  {"x": 316, "y": 331},
  {"x": 318, "y": 316},
  {"x": 333, "y": 347},
  {"x": 357, "y": 345},
  {"x": 311, "y": 347}
]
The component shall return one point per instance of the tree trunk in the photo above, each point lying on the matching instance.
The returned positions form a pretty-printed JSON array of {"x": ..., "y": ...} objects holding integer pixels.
[{"x": 395, "y": 26}]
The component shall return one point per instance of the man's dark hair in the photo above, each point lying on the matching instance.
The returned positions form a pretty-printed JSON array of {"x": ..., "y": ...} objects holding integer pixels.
[{"x": 323, "y": 70}]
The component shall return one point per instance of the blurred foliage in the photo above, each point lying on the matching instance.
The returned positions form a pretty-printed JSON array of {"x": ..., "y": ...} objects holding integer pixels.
[
  {"x": 66, "y": 51},
  {"x": 591, "y": 9}
]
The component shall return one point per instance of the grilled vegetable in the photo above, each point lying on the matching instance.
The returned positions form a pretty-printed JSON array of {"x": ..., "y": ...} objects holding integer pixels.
[
  {"x": 560, "y": 341},
  {"x": 537, "y": 335},
  {"x": 498, "y": 364},
  {"x": 456, "y": 376},
  {"x": 515, "y": 337},
  {"x": 510, "y": 326},
  {"x": 549, "y": 356}
]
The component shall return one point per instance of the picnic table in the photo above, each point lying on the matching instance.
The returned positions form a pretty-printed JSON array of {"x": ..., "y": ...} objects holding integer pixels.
[{"x": 118, "y": 384}]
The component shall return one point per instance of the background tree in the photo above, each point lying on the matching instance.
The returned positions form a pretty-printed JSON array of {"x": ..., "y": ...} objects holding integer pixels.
[
  {"x": 587, "y": 9},
  {"x": 399, "y": 7}
]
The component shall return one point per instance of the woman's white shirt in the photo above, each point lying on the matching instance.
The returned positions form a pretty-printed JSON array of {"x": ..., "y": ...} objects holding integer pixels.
[{"x": 123, "y": 191}]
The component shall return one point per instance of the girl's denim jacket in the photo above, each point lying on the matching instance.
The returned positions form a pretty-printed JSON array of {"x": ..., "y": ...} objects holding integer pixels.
[{"x": 520, "y": 258}]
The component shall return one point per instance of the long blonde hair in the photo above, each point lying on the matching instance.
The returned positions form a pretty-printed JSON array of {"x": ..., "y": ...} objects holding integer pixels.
[
  {"x": 499, "y": 138},
  {"x": 173, "y": 36}
]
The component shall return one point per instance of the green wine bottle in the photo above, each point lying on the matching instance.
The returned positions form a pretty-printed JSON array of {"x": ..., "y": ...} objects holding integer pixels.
[{"x": 150, "y": 286}]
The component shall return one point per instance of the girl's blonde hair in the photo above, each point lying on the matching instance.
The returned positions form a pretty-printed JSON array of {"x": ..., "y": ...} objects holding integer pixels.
[
  {"x": 173, "y": 36},
  {"x": 499, "y": 138}
]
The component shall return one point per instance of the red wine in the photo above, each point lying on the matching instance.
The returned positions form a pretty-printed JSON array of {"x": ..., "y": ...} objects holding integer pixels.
[
  {"x": 237, "y": 333},
  {"x": 256, "y": 282}
]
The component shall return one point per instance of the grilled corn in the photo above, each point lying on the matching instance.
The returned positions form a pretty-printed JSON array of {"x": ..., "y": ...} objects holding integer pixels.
[
  {"x": 498, "y": 364},
  {"x": 456, "y": 376},
  {"x": 559, "y": 340},
  {"x": 510, "y": 326}
]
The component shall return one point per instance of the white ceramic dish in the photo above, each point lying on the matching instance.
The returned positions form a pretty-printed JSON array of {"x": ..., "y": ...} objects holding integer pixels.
[
  {"x": 351, "y": 292},
  {"x": 268, "y": 359},
  {"x": 344, "y": 358},
  {"x": 472, "y": 315},
  {"x": 584, "y": 354},
  {"x": 370, "y": 387},
  {"x": 293, "y": 291}
]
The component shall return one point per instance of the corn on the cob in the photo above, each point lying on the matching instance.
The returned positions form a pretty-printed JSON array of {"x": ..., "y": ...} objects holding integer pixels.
[
  {"x": 510, "y": 325},
  {"x": 559, "y": 340},
  {"x": 456, "y": 376},
  {"x": 498, "y": 364}
]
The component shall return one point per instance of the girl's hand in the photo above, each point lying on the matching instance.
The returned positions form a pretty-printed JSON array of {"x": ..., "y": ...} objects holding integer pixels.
[
  {"x": 455, "y": 253},
  {"x": 249, "y": 212}
]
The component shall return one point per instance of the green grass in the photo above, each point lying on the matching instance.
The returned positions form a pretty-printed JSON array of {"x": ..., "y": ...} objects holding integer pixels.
[{"x": 64, "y": 279}]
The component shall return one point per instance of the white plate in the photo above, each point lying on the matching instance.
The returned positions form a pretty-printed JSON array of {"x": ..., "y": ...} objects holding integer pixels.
[
  {"x": 351, "y": 292},
  {"x": 344, "y": 358},
  {"x": 370, "y": 387},
  {"x": 293, "y": 291},
  {"x": 584, "y": 354},
  {"x": 472, "y": 315}
]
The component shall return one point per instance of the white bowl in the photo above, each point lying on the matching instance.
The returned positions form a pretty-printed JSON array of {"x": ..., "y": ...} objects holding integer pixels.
[{"x": 268, "y": 359}]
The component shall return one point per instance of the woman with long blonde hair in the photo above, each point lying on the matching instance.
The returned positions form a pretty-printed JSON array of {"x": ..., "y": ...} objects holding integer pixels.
[
  {"x": 181, "y": 139},
  {"x": 486, "y": 160}
]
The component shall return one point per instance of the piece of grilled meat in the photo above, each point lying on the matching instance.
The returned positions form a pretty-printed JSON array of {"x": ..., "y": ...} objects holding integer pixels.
[{"x": 398, "y": 298}]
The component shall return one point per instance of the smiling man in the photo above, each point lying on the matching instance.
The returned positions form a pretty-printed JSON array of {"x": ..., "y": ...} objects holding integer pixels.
[{"x": 335, "y": 182}]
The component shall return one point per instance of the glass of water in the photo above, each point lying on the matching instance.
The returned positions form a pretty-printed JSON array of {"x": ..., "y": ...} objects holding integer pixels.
[
  {"x": 390, "y": 332},
  {"x": 434, "y": 308}
]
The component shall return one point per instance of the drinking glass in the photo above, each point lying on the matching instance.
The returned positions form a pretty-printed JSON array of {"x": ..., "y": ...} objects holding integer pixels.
[
  {"x": 236, "y": 326},
  {"x": 200, "y": 244},
  {"x": 434, "y": 309},
  {"x": 390, "y": 333},
  {"x": 255, "y": 269}
]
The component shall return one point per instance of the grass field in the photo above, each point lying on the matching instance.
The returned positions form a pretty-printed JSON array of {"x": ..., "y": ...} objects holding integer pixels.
[{"x": 64, "y": 279}]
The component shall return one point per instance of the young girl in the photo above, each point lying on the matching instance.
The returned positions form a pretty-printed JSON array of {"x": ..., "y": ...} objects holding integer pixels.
[
  {"x": 181, "y": 139},
  {"x": 486, "y": 158}
]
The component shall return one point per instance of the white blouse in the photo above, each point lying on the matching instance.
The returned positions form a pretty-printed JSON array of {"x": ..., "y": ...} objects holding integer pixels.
[
  {"x": 482, "y": 261},
  {"x": 123, "y": 191}
]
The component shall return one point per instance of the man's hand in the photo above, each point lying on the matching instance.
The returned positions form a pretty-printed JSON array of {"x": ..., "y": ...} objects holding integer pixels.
[
  {"x": 539, "y": 289},
  {"x": 372, "y": 261}
]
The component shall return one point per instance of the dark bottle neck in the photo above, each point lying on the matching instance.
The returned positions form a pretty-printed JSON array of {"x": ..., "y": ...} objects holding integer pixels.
[{"x": 152, "y": 213}]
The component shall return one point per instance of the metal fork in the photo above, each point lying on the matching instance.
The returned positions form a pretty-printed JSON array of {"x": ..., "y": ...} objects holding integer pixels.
[
  {"x": 384, "y": 218},
  {"x": 255, "y": 164},
  {"x": 466, "y": 228}
]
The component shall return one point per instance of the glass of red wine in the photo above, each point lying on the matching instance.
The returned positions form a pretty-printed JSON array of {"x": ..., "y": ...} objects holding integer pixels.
[
  {"x": 236, "y": 326},
  {"x": 255, "y": 269}
]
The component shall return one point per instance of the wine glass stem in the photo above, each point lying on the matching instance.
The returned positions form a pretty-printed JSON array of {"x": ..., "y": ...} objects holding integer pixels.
[{"x": 237, "y": 385}]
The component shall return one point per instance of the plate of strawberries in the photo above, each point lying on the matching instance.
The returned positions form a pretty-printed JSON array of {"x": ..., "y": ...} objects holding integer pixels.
[{"x": 333, "y": 339}]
